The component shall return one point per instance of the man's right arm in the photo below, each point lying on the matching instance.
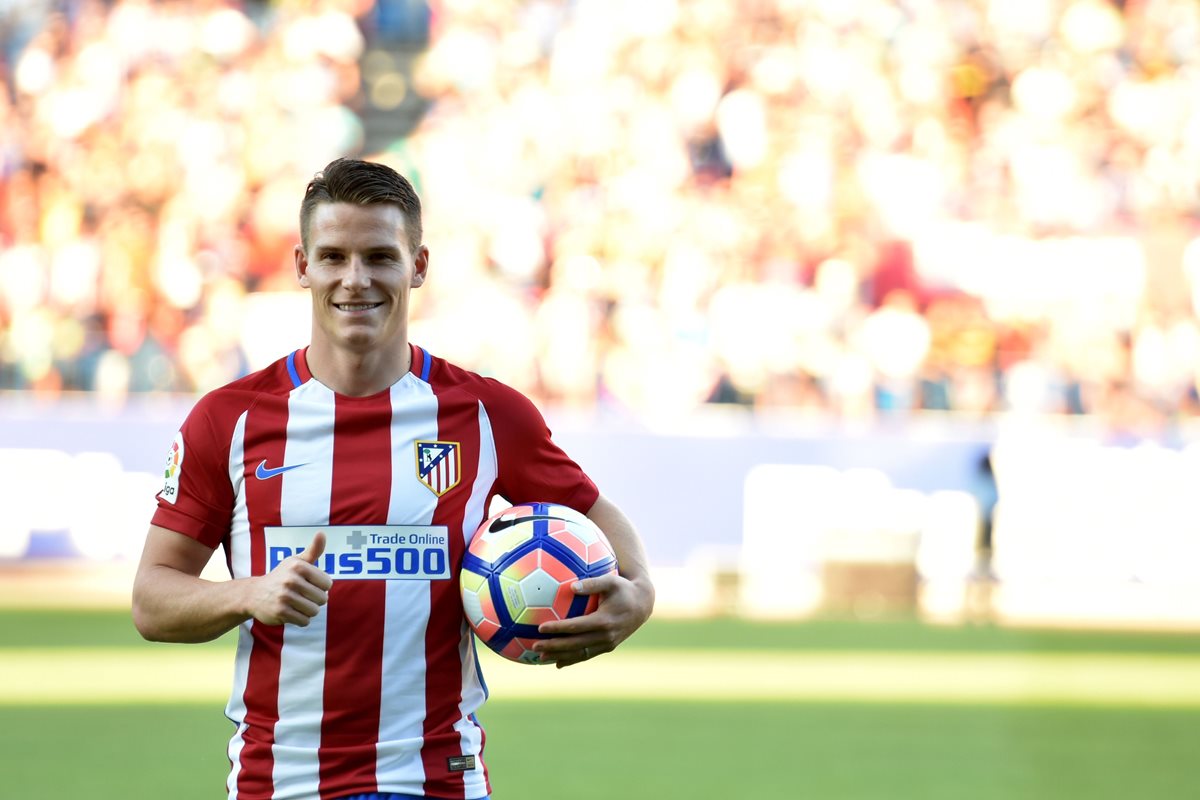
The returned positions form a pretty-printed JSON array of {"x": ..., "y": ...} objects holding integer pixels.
[{"x": 172, "y": 603}]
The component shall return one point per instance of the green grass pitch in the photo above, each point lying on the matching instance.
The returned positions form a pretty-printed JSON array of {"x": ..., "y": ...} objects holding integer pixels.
[{"x": 646, "y": 747}]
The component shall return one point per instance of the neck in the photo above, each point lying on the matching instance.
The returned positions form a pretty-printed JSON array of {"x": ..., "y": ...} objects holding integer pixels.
[{"x": 356, "y": 374}]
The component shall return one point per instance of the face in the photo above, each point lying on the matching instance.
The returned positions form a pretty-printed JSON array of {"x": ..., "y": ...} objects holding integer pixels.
[{"x": 359, "y": 268}]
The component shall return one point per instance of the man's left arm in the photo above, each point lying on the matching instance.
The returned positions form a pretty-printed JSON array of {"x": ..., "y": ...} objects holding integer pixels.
[{"x": 626, "y": 596}]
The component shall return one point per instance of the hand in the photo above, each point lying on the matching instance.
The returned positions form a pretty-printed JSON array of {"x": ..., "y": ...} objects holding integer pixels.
[
  {"x": 294, "y": 591},
  {"x": 624, "y": 606}
]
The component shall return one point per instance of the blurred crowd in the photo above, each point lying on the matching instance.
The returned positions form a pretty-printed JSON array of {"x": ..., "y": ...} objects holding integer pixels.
[{"x": 855, "y": 207}]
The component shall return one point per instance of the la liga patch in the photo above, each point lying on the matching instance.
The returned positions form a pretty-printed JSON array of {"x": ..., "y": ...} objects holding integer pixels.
[{"x": 172, "y": 470}]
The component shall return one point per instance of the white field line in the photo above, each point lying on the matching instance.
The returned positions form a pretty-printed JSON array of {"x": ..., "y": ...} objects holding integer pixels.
[{"x": 175, "y": 673}]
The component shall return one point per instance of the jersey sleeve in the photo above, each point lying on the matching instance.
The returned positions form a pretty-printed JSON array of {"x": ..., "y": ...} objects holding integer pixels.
[
  {"x": 531, "y": 467},
  {"x": 197, "y": 496}
]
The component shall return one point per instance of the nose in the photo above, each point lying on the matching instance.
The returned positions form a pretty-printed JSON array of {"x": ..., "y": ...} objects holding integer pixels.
[{"x": 356, "y": 275}]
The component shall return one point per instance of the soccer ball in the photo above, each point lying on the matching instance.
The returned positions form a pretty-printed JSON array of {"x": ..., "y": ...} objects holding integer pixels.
[{"x": 518, "y": 570}]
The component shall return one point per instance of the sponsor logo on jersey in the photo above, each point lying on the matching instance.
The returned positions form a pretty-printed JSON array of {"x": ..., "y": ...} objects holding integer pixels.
[
  {"x": 174, "y": 467},
  {"x": 368, "y": 552},
  {"x": 438, "y": 465},
  {"x": 263, "y": 472}
]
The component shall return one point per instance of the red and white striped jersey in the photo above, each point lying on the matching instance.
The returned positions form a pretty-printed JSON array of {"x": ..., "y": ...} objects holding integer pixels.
[{"x": 379, "y": 692}]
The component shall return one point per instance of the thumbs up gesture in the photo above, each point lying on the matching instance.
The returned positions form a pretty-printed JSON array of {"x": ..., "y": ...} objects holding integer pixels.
[{"x": 294, "y": 591}]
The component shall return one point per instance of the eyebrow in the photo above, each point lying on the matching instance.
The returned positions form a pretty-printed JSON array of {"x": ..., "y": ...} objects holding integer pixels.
[{"x": 386, "y": 249}]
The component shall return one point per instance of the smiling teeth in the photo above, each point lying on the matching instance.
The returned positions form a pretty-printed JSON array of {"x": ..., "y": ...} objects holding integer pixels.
[{"x": 356, "y": 306}]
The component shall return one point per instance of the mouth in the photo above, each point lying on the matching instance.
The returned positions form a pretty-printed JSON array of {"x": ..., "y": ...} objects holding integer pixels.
[{"x": 356, "y": 308}]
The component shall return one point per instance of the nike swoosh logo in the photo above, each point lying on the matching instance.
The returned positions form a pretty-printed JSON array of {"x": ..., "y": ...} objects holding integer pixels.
[
  {"x": 263, "y": 473},
  {"x": 508, "y": 522}
]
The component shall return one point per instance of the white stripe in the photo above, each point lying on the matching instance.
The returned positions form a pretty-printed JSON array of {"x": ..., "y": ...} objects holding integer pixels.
[
  {"x": 239, "y": 526},
  {"x": 402, "y": 698},
  {"x": 236, "y": 743},
  {"x": 402, "y": 689},
  {"x": 472, "y": 692},
  {"x": 304, "y": 500},
  {"x": 239, "y": 557}
]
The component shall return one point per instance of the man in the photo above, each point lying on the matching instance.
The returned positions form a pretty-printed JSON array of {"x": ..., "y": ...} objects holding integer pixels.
[{"x": 353, "y": 688}]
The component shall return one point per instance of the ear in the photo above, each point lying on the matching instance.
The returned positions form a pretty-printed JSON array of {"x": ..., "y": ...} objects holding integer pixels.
[
  {"x": 302, "y": 266},
  {"x": 420, "y": 266}
]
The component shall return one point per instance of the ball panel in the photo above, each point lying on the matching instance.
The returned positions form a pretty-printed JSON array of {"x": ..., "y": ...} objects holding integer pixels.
[
  {"x": 471, "y": 580},
  {"x": 511, "y": 601},
  {"x": 526, "y": 562},
  {"x": 478, "y": 607},
  {"x": 486, "y": 630},
  {"x": 491, "y": 547},
  {"x": 591, "y": 603},
  {"x": 576, "y": 544},
  {"x": 559, "y": 570},
  {"x": 473, "y": 607},
  {"x": 587, "y": 543},
  {"x": 521, "y": 650},
  {"x": 536, "y": 616},
  {"x": 538, "y": 589}
]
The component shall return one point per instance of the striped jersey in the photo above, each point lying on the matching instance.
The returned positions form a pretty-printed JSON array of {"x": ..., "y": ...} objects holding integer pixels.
[{"x": 379, "y": 692}]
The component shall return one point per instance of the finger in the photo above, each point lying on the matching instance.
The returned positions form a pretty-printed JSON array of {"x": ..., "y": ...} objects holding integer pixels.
[
  {"x": 315, "y": 576},
  {"x": 575, "y": 625},
  {"x": 313, "y": 591},
  {"x": 574, "y": 648},
  {"x": 299, "y": 610},
  {"x": 556, "y": 648},
  {"x": 564, "y": 659},
  {"x": 572, "y": 658},
  {"x": 293, "y": 617},
  {"x": 306, "y": 607},
  {"x": 315, "y": 549},
  {"x": 296, "y": 574},
  {"x": 598, "y": 585}
]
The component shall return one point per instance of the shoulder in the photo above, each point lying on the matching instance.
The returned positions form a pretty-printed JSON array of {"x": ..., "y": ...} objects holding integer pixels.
[
  {"x": 498, "y": 398},
  {"x": 222, "y": 406},
  {"x": 446, "y": 377}
]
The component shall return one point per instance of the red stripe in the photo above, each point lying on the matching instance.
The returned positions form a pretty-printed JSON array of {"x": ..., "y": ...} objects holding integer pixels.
[
  {"x": 362, "y": 480},
  {"x": 263, "y": 441},
  {"x": 443, "y": 666}
]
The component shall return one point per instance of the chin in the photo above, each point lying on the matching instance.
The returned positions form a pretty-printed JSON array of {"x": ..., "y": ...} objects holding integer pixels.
[{"x": 360, "y": 344}]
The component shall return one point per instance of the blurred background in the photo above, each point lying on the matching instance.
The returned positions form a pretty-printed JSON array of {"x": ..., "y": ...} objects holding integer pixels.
[
  {"x": 945, "y": 253},
  {"x": 863, "y": 309}
]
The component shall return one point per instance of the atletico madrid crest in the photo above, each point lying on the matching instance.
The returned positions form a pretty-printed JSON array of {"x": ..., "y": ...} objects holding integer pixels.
[{"x": 438, "y": 465}]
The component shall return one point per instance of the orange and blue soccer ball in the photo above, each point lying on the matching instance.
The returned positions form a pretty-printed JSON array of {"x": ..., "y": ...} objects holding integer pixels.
[{"x": 518, "y": 570}]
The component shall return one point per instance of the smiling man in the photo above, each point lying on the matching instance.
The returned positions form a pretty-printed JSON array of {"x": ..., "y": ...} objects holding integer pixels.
[{"x": 362, "y": 683}]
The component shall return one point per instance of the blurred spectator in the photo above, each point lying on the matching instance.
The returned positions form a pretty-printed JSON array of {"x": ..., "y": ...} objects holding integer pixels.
[
  {"x": 862, "y": 207},
  {"x": 895, "y": 338}
]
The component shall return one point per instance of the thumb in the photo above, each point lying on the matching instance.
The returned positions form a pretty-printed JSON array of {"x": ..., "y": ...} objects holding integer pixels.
[{"x": 315, "y": 549}]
